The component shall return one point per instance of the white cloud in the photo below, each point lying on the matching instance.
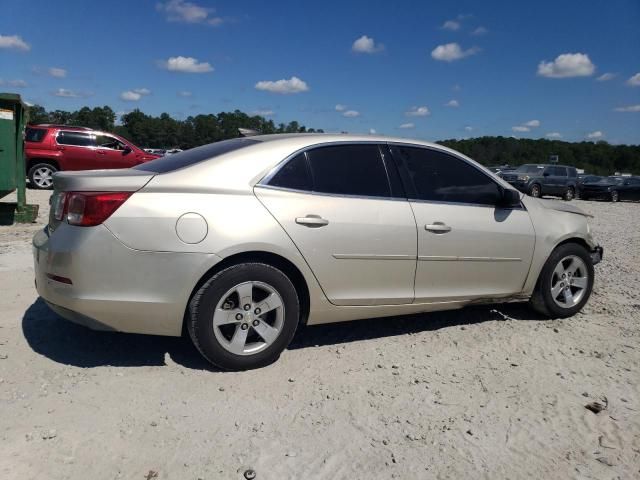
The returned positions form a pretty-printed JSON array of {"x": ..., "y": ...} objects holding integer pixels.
[
  {"x": 520, "y": 128},
  {"x": 567, "y": 65},
  {"x": 372, "y": 131},
  {"x": 480, "y": 31},
  {"x": 14, "y": 42},
  {"x": 451, "y": 25},
  {"x": 17, "y": 83},
  {"x": 186, "y": 65},
  {"x": 468, "y": 128},
  {"x": 263, "y": 113},
  {"x": 284, "y": 87},
  {"x": 57, "y": 72},
  {"x": 134, "y": 95},
  {"x": 532, "y": 123},
  {"x": 340, "y": 107},
  {"x": 553, "y": 135},
  {"x": 452, "y": 103},
  {"x": 351, "y": 114},
  {"x": 606, "y": 77},
  {"x": 185, "y": 93},
  {"x": 452, "y": 51},
  {"x": 634, "y": 81},
  {"x": 629, "y": 108},
  {"x": 456, "y": 88},
  {"x": 407, "y": 125},
  {"x": 418, "y": 112},
  {"x": 188, "y": 12},
  {"x": 66, "y": 93},
  {"x": 596, "y": 134},
  {"x": 366, "y": 44}
]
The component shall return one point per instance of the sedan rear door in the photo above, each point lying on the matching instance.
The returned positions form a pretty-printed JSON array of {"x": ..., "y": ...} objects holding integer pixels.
[{"x": 350, "y": 220}]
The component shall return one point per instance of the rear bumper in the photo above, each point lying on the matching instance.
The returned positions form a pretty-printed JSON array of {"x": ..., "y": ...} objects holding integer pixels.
[
  {"x": 596, "y": 254},
  {"x": 113, "y": 287}
]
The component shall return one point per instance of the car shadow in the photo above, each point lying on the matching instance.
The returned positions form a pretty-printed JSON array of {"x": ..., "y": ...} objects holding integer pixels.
[{"x": 67, "y": 343}]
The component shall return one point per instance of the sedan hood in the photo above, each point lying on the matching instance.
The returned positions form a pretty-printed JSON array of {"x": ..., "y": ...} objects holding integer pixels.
[{"x": 562, "y": 207}]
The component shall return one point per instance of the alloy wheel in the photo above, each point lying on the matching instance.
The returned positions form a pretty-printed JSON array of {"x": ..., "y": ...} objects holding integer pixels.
[
  {"x": 614, "y": 196},
  {"x": 569, "y": 281},
  {"x": 535, "y": 191},
  {"x": 248, "y": 318},
  {"x": 43, "y": 177}
]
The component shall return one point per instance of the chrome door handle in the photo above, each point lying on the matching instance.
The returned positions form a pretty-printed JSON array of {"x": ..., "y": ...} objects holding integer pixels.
[
  {"x": 437, "y": 227},
  {"x": 312, "y": 221}
]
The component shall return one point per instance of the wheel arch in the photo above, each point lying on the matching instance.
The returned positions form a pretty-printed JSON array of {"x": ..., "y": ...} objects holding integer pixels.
[
  {"x": 31, "y": 162},
  {"x": 269, "y": 258}
]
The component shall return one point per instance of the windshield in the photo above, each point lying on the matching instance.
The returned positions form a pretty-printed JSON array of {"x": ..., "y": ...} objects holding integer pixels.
[
  {"x": 195, "y": 155},
  {"x": 529, "y": 169}
]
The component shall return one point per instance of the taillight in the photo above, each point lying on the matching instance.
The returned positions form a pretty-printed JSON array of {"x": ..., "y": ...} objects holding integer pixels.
[{"x": 87, "y": 209}]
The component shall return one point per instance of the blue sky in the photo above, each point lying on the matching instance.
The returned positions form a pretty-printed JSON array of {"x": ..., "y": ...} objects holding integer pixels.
[{"x": 422, "y": 69}]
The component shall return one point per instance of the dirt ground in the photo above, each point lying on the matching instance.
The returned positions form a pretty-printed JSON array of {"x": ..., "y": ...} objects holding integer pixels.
[{"x": 491, "y": 392}]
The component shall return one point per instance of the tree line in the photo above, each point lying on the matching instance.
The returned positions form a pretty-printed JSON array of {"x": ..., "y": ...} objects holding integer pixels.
[
  {"x": 166, "y": 132},
  {"x": 599, "y": 158}
]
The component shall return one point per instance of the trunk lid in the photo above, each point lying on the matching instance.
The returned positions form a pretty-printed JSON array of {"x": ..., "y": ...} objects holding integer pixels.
[{"x": 122, "y": 180}]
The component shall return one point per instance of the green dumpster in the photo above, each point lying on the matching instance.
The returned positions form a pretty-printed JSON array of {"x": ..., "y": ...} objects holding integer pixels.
[{"x": 12, "y": 167}]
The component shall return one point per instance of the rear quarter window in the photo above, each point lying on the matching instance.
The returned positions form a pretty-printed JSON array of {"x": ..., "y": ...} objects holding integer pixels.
[{"x": 34, "y": 134}]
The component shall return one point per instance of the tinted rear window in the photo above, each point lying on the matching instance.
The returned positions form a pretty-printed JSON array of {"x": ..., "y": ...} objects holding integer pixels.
[
  {"x": 78, "y": 139},
  {"x": 194, "y": 155},
  {"x": 34, "y": 134}
]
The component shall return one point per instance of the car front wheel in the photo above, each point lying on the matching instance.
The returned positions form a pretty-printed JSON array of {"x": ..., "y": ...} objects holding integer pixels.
[
  {"x": 569, "y": 194},
  {"x": 244, "y": 316},
  {"x": 615, "y": 196},
  {"x": 565, "y": 283},
  {"x": 41, "y": 176}
]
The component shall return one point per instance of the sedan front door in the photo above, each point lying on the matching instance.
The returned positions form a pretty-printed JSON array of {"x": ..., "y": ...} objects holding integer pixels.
[
  {"x": 350, "y": 220},
  {"x": 467, "y": 246}
]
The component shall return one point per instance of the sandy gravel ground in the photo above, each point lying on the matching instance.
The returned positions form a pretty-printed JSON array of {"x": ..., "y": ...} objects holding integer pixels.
[{"x": 478, "y": 393}]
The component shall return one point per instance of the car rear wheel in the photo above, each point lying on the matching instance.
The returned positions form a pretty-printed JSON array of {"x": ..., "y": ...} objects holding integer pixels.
[
  {"x": 565, "y": 283},
  {"x": 244, "y": 316},
  {"x": 41, "y": 176},
  {"x": 535, "y": 191},
  {"x": 615, "y": 196},
  {"x": 569, "y": 194}
]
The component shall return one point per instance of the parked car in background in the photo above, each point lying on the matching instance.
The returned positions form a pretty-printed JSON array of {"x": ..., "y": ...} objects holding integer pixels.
[
  {"x": 51, "y": 148},
  {"x": 540, "y": 179},
  {"x": 498, "y": 169},
  {"x": 156, "y": 151},
  {"x": 171, "y": 151},
  {"x": 585, "y": 178},
  {"x": 243, "y": 240},
  {"x": 612, "y": 188}
]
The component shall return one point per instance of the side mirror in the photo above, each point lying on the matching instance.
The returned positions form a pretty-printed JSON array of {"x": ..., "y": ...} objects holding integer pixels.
[
  {"x": 126, "y": 149},
  {"x": 510, "y": 198}
]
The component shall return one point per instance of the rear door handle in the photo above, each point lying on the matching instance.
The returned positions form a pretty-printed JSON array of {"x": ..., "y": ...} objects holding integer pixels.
[
  {"x": 437, "y": 227},
  {"x": 313, "y": 221}
]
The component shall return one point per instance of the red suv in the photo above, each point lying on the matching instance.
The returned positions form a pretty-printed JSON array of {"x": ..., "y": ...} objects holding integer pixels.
[{"x": 50, "y": 148}]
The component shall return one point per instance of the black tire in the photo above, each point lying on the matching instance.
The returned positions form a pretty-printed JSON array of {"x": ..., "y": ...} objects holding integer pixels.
[
  {"x": 614, "y": 196},
  {"x": 569, "y": 194},
  {"x": 535, "y": 191},
  {"x": 204, "y": 302},
  {"x": 36, "y": 178},
  {"x": 542, "y": 300}
]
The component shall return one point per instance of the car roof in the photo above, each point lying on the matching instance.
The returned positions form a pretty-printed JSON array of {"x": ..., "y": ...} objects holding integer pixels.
[
  {"x": 54, "y": 125},
  {"x": 311, "y": 138}
]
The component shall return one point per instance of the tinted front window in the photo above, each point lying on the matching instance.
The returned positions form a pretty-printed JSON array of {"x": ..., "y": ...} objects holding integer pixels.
[
  {"x": 79, "y": 139},
  {"x": 560, "y": 171},
  {"x": 295, "y": 174},
  {"x": 194, "y": 155},
  {"x": 34, "y": 134},
  {"x": 439, "y": 176},
  {"x": 105, "y": 141},
  {"x": 573, "y": 173},
  {"x": 349, "y": 170}
]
